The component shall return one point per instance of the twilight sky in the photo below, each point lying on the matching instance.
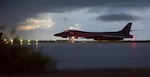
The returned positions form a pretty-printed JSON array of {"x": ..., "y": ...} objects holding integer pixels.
[{"x": 40, "y": 19}]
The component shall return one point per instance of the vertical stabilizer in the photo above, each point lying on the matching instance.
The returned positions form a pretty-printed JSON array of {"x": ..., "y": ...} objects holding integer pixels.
[{"x": 126, "y": 29}]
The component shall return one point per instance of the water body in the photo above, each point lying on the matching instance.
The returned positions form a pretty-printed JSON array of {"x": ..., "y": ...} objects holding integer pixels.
[{"x": 98, "y": 55}]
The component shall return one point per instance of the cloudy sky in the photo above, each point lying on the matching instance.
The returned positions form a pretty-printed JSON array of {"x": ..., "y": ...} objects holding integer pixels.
[{"x": 40, "y": 19}]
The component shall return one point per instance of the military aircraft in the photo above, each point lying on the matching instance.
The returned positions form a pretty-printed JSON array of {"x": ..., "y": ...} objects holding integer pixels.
[{"x": 118, "y": 35}]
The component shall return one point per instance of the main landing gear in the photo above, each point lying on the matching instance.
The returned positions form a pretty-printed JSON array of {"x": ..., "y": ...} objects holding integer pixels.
[{"x": 71, "y": 39}]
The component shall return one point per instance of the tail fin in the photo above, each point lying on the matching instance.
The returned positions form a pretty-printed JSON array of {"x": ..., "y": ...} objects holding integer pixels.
[{"x": 126, "y": 29}]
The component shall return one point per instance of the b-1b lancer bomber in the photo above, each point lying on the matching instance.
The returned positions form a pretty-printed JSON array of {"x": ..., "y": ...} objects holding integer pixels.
[{"x": 118, "y": 35}]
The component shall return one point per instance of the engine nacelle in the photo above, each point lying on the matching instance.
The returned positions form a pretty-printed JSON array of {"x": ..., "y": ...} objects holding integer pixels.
[{"x": 64, "y": 37}]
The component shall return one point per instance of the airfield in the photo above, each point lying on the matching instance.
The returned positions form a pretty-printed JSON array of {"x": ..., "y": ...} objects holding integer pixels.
[
  {"x": 100, "y": 41},
  {"x": 128, "y": 58}
]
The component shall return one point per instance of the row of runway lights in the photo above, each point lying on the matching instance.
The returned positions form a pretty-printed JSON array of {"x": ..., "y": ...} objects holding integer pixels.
[{"x": 21, "y": 41}]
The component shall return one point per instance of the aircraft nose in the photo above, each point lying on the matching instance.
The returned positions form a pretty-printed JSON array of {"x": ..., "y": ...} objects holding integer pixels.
[{"x": 56, "y": 34}]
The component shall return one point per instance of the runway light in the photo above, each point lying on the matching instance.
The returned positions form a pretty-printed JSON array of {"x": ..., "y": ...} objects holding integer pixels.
[
  {"x": 36, "y": 40},
  {"x": 36, "y": 43},
  {"x": 5, "y": 40},
  {"x": 21, "y": 44},
  {"x": 28, "y": 41},
  {"x": 20, "y": 40},
  {"x": 11, "y": 41}
]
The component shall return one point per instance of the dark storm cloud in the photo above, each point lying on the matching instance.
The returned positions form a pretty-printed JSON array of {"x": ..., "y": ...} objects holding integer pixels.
[
  {"x": 64, "y": 5},
  {"x": 13, "y": 11},
  {"x": 118, "y": 17}
]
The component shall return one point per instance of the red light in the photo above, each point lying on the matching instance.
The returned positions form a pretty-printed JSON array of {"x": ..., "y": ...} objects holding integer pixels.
[{"x": 134, "y": 37}]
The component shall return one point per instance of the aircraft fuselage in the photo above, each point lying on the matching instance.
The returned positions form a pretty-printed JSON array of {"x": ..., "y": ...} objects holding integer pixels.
[{"x": 118, "y": 35}]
